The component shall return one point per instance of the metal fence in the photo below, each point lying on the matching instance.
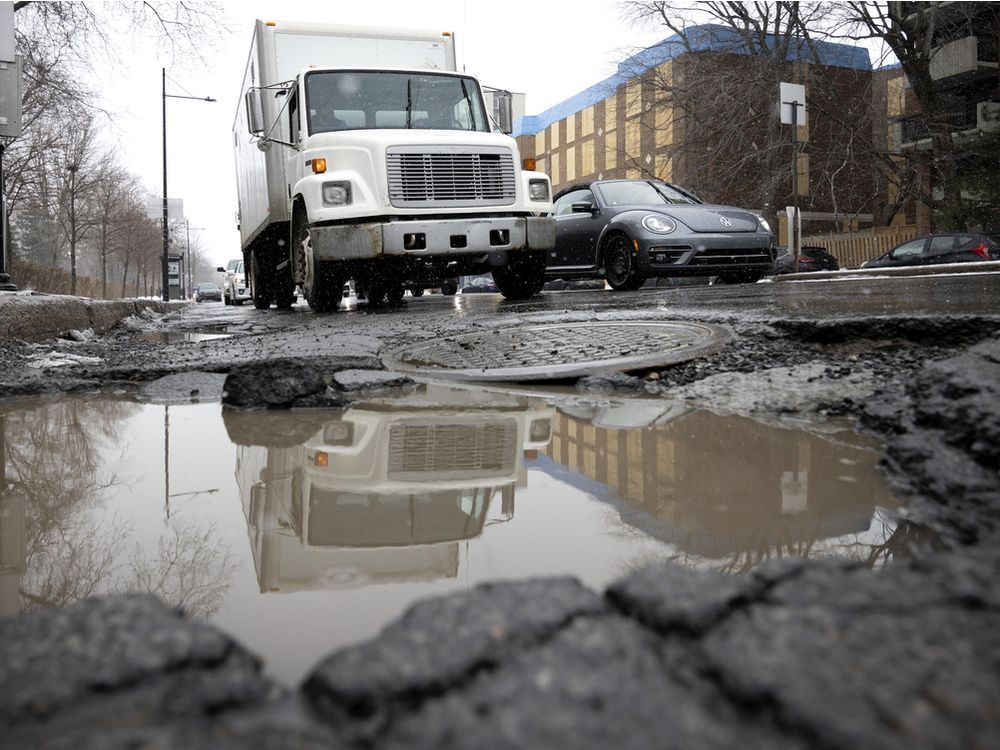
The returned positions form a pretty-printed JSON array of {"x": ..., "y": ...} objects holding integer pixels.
[{"x": 853, "y": 248}]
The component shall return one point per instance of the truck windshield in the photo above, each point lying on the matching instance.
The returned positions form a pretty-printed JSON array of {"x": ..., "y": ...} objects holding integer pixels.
[{"x": 364, "y": 100}]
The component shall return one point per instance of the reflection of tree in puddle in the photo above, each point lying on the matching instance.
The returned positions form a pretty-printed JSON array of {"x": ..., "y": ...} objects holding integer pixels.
[
  {"x": 730, "y": 493},
  {"x": 57, "y": 458}
]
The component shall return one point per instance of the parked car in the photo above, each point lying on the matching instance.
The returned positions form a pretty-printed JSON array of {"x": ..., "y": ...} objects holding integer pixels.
[
  {"x": 932, "y": 249},
  {"x": 629, "y": 230},
  {"x": 810, "y": 259},
  {"x": 480, "y": 285},
  {"x": 208, "y": 292}
]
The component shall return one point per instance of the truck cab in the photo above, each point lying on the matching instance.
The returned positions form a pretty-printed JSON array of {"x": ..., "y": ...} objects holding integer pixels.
[{"x": 393, "y": 177}]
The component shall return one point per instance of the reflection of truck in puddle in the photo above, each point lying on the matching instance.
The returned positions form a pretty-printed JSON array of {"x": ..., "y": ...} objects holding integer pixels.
[{"x": 386, "y": 490}]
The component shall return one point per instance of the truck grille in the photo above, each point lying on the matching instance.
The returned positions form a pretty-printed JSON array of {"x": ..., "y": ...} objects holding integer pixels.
[
  {"x": 452, "y": 451},
  {"x": 420, "y": 177}
]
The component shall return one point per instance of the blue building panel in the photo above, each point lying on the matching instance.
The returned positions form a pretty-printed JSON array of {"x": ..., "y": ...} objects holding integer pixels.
[{"x": 704, "y": 38}]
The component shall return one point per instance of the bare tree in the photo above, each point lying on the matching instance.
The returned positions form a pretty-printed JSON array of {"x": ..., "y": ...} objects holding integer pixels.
[
  {"x": 915, "y": 33},
  {"x": 718, "y": 100}
]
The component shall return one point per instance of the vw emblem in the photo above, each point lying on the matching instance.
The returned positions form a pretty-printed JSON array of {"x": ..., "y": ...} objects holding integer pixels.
[{"x": 726, "y": 222}]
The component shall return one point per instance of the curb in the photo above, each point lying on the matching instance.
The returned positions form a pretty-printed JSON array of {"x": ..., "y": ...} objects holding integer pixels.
[
  {"x": 989, "y": 266},
  {"x": 39, "y": 316}
]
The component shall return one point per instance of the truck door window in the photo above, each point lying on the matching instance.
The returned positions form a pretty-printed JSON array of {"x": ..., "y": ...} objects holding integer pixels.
[{"x": 293, "y": 116}]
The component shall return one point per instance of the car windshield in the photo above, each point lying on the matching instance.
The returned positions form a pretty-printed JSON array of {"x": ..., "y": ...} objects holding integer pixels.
[
  {"x": 208, "y": 287},
  {"x": 632, "y": 193},
  {"x": 355, "y": 100}
]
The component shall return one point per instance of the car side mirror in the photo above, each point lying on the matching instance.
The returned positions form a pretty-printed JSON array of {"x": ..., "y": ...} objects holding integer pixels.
[
  {"x": 220, "y": 269},
  {"x": 583, "y": 208}
]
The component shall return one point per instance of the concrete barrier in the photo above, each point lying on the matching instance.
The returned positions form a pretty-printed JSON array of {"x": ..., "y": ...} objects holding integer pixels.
[{"x": 32, "y": 317}]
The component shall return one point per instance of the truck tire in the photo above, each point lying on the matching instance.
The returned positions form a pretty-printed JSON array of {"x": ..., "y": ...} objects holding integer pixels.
[
  {"x": 395, "y": 294},
  {"x": 417, "y": 292},
  {"x": 323, "y": 288},
  {"x": 523, "y": 276},
  {"x": 450, "y": 289},
  {"x": 284, "y": 288},
  {"x": 261, "y": 280}
]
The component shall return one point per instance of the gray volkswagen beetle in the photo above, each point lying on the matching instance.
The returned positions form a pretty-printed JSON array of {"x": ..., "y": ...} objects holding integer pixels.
[{"x": 630, "y": 230}]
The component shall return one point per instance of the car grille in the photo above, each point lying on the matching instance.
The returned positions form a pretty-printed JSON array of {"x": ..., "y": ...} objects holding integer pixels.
[
  {"x": 420, "y": 177},
  {"x": 452, "y": 451},
  {"x": 758, "y": 256}
]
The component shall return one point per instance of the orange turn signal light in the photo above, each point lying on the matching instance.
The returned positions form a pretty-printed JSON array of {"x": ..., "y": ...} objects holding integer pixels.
[
  {"x": 321, "y": 459},
  {"x": 445, "y": 33},
  {"x": 319, "y": 166},
  {"x": 529, "y": 165},
  {"x": 270, "y": 23}
]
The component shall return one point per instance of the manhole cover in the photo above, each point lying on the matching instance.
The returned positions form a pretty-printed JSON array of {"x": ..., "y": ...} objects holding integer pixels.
[{"x": 556, "y": 351}]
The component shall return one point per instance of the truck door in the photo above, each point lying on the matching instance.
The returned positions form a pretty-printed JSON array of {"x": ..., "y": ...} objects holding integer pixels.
[{"x": 294, "y": 165}]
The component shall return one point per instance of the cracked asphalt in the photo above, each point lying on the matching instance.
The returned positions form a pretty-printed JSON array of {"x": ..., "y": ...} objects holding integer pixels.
[{"x": 795, "y": 654}]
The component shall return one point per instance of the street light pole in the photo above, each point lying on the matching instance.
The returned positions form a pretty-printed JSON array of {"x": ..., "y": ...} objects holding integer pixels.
[{"x": 166, "y": 232}]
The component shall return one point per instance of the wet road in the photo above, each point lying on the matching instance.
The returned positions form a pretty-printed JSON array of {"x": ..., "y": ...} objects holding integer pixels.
[{"x": 960, "y": 294}]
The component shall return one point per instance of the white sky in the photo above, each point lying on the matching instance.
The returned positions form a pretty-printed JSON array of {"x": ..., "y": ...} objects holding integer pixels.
[{"x": 548, "y": 50}]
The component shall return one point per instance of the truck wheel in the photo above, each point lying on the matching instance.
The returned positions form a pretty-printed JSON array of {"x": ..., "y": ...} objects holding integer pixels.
[
  {"x": 523, "y": 276},
  {"x": 619, "y": 264},
  {"x": 284, "y": 292},
  {"x": 417, "y": 292},
  {"x": 450, "y": 289},
  {"x": 323, "y": 288},
  {"x": 260, "y": 282},
  {"x": 395, "y": 294}
]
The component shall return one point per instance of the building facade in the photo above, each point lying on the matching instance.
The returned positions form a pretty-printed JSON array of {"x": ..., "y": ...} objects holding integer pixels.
[{"x": 693, "y": 112}]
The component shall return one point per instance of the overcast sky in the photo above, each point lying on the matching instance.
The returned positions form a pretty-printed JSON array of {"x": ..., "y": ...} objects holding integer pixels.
[{"x": 548, "y": 50}]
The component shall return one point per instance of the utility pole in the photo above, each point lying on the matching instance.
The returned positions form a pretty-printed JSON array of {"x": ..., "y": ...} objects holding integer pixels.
[
  {"x": 11, "y": 124},
  {"x": 166, "y": 232}
]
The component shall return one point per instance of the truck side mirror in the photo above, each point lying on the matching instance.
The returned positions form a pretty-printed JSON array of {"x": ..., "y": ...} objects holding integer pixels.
[
  {"x": 255, "y": 112},
  {"x": 503, "y": 111},
  {"x": 220, "y": 269}
]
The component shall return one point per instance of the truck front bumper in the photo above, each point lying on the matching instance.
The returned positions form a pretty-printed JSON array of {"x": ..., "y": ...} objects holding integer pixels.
[{"x": 432, "y": 237}]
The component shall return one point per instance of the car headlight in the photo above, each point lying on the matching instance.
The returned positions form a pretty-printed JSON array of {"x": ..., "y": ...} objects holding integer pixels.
[
  {"x": 336, "y": 193},
  {"x": 763, "y": 223},
  {"x": 538, "y": 190},
  {"x": 658, "y": 224}
]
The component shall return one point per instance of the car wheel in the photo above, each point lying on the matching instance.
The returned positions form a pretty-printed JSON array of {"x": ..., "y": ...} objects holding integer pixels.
[
  {"x": 523, "y": 276},
  {"x": 323, "y": 287},
  {"x": 619, "y": 264}
]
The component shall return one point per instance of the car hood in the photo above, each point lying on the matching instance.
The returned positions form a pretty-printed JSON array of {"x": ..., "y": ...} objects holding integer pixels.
[{"x": 708, "y": 218}]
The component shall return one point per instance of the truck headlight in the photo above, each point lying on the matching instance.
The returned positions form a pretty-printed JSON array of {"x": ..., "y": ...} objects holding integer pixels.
[
  {"x": 763, "y": 223},
  {"x": 538, "y": 190},
  {"x": 658, "y": 224},
  {"x": 540, "y": 429},
  {"x": 336, "y": 193},
  {"x": 339, "y": 433}
]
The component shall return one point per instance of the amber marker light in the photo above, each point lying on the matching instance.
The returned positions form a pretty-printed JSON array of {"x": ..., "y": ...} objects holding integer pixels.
[
  {"x": 445, "y": 33},
  {"x": 529, "y": 165},
  {"x": 270, "y": 23},
  {"x": 321, "y": 459},
  {"x": 319, "y": 166}
]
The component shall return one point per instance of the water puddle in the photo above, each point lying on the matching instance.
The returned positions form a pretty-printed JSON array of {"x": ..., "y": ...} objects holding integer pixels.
[
  {"x": 181, "y": 337},
  {"x": 302, "y": 532}
]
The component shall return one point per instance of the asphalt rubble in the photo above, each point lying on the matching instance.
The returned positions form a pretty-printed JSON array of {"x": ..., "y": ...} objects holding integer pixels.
[{"x": 797, "y": 654}]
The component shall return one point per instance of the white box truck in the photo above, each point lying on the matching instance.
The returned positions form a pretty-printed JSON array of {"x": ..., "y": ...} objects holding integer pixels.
[{"x": 362, "y": 154}]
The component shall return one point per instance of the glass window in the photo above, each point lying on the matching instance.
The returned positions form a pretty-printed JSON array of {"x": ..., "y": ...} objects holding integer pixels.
[
  {"x": 639, "y": 193},
  {"x": 564, "y": 205},
  {"x": 942, "y": 244},
  {"x": 354, "y": 100},
  {"x": 909, "y": 249}
]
